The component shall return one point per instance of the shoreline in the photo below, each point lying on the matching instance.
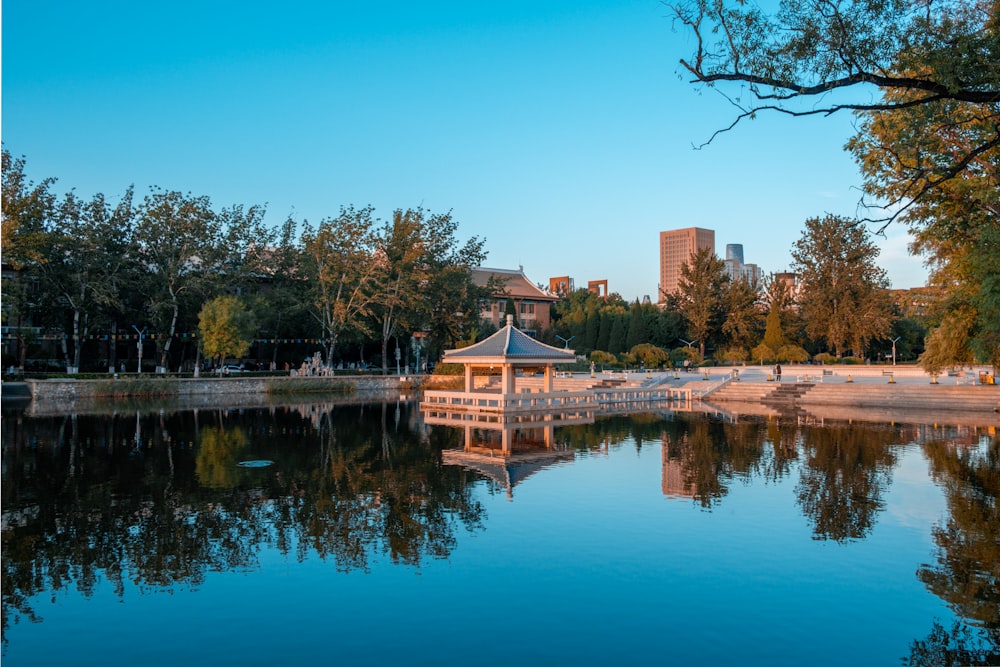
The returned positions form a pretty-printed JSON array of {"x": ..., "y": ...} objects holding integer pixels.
[{"x": 870, "y": 393}]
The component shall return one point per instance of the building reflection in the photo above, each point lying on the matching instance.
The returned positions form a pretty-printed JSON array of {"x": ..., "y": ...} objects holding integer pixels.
[{"x": 507, "y": 448}]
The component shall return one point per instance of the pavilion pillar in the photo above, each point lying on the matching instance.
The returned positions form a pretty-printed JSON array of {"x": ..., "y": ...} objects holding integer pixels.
[
  {"x": 469, "y": 383},
  {"x": 508, "y": 379},
  {"x": 549, "y": 383}
]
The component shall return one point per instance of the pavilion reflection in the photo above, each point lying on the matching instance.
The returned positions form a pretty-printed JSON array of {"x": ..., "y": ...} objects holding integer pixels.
[{"x": 508, "y": 448}]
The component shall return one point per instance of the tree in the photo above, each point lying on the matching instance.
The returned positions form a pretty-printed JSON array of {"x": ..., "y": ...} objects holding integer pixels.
[
  {"x": 510, "y": 310},
  {"x": 701, "y": 292},
  {"x": 743, "y": 317},
  {"x": 403, "y": 272},
  {"x": 282, "y": 309},
  {"x": 637, "y": 326},
  {"x": 91, "y": 262},
  {"x": 191, "y": 251},
  {"x": 26, "y": 210},
  {"x": 955, "y": 220},
  {"x": 225, "y": 328},
  {"x": 617, "y": 337},
  {"x": 843, "y": 296},
  {"x": 918, "y": 53},
  {"x": 343, "y": 272}
]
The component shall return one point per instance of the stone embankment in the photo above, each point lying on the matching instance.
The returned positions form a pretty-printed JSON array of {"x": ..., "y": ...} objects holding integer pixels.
[
  {"x": 881, "y": 394},
  {"x": 64, "y": 396}
]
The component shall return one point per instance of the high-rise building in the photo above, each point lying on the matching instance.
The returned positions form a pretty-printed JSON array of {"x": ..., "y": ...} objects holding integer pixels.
[
  {"x": 676, "y": 248},
  {"x": 735, "y": 267}
]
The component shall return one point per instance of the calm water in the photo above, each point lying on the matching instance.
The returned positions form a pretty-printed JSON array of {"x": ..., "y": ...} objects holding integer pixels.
[{"x": 377, "y": 538}]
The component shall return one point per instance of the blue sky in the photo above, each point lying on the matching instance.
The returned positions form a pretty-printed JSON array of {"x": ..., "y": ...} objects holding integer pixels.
[{"x": 562, "y": 132}]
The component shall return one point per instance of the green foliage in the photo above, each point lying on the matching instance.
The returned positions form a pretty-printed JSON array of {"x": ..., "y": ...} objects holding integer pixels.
[
  {"x": 449, "y": 369},
  {"x": 948, "y": 345},
  {"x": 774, "y": 337},
  {"x": 826, "y": 359},
  {"x": 743, "y": 317},
  {"x": 792, "y": 354},
  {"x": 618, "y": 336},
  {"x": 648, "y": 355},
  {"x": 602, "y": 357},
  {"x": 843, "y": 295},
  {"x": 637, "y": 327},
  {"x": 225, "y": 328},
  {"x": 314, "y": 385},
  {"x": 763, "y": 353},
  {"x": 922, "y": 59},
  {"x": 701, "y": 295},
  {"x": 731, "y": 355}
]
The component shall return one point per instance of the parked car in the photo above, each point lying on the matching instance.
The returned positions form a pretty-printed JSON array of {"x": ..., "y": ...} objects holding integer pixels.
[{"x": 230, "y": 369}]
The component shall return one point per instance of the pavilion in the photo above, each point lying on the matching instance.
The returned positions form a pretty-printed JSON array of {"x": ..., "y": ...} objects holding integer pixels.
[{"x": 511, "y": 351}]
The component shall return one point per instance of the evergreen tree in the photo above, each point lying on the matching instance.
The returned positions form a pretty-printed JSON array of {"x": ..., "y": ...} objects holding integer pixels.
[
  {"x": 619, "y": 335},
  {"x": 604, "y": 333},
  {"x": 637, "y": 327}
]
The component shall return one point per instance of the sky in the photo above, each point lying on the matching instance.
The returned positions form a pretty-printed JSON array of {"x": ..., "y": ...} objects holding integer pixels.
[{"x": 561, "y": 132}]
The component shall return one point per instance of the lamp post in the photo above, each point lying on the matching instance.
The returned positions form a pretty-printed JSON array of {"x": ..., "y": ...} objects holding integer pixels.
[
  {"x": 418, "y": 339},
  {"x": 565, "y": 340},
  {"x": 689, "y": 343},
  {"x": 894, "y": 349},
  {"x": 142, "y": 334}
]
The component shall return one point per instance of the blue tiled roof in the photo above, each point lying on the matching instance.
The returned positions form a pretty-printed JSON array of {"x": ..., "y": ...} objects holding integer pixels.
[{"x": 510, "y": 343}]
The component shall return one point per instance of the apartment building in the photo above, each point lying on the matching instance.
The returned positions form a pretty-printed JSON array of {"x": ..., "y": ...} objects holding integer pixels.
[{"x": 676, "y": 248}]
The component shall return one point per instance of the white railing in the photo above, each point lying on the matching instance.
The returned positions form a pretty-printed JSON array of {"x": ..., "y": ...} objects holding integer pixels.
[{"x": 524, "y": 400}]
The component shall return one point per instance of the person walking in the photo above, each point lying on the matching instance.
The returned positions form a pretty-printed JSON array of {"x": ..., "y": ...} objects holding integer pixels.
[{"x": 777, "y": 372}]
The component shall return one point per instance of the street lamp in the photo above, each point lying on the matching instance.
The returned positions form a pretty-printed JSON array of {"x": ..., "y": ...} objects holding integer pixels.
[
  {"x": 418, "y": 339},
  {"x": 565, "y": 340},
  {"x": 894, "y": 349},
  {"x": 142, "y": 334}
]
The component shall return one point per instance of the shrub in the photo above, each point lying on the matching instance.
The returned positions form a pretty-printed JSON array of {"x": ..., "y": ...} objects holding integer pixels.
[
  {"x": 826, "y": 358},
  {"x": 762, "y": 353},
  {"x": 731, "y": 355},
  {"x": 792, "y": 354},
  {"x": 648, "y": 355}
]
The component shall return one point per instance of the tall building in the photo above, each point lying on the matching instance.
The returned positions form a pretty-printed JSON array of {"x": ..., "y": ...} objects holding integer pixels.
[
  {"x": 676, "y": 248},
  {"x": 735, "y": 267}
]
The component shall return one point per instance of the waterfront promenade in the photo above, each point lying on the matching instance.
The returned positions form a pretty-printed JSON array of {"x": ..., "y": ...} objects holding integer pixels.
[{"x": 871, "y": 392}]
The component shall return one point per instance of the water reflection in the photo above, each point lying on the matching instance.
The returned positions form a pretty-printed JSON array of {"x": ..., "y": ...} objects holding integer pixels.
[
  {"x": 966, "y": 571},
  {"x": 157, "y": 499}
]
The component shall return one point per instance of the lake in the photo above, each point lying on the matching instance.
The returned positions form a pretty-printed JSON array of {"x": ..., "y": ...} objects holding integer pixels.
[{"x": 368, "y": 534}]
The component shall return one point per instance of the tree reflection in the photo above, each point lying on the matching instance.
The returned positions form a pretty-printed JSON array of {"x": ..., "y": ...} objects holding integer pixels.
[
  {"x": 702, "y": 457},
  {"x": 846, "y": 469},
  {"x": 966, "y": 573},
  {"x": 158, "y": 500}
]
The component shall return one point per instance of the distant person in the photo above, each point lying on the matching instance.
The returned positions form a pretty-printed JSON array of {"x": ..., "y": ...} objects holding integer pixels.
[{"x": 777, "y": 372}]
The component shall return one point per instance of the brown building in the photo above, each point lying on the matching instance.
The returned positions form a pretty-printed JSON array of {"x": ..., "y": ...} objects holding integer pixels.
[
  {"x": 531, "y": 302},
  {"x": 562, "y": 285},
  {"x": 676, "y": 248}
]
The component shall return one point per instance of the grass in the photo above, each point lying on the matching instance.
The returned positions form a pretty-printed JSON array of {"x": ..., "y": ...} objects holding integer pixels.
[{"x": 308, "y": 386}]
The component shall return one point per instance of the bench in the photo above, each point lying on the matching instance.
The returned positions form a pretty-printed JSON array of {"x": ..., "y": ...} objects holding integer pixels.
[{"x": 888, "y": 373}]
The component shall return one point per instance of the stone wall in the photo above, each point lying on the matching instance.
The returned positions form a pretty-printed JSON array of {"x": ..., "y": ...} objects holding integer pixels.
[{"x": 71, "y": 389}]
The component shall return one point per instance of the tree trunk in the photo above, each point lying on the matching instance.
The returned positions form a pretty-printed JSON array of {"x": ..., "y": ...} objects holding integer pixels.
[
  {"x": 170, "y": 337},
  {"x": 77, "y": 342}
]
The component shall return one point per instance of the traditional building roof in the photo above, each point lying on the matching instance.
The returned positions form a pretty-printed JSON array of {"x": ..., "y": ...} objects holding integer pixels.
[
  {"x": 509, "y": 345},
  {"x": 515, "y": 284}
]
